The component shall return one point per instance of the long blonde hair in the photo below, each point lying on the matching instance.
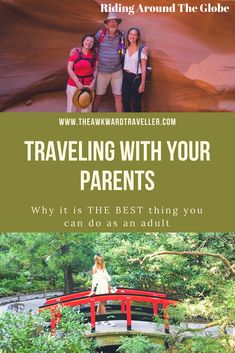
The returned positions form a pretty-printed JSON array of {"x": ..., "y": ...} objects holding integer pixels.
[{"x": 102, "y": 265}]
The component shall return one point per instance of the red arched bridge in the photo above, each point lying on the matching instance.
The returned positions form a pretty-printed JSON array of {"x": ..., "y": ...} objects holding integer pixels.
[{"x": 125, "y": 304}]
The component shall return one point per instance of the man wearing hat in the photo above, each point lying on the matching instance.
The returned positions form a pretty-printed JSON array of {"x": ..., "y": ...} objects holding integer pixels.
[{"x": 111, "y": 49}]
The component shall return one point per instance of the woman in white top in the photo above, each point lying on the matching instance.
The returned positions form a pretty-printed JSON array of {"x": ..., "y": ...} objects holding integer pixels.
[
  {"x": 134, "y": 73},
  {"x": 100, "y": 281}
]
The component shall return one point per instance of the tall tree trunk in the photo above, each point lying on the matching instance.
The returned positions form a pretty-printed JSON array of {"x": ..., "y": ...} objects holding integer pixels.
[
  {"x": 68, "y": 273},
  {"x": 68, "y": 279}
]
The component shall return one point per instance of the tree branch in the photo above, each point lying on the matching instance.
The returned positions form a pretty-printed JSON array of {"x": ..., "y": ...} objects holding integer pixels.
[{"x": 225, "y": 261}]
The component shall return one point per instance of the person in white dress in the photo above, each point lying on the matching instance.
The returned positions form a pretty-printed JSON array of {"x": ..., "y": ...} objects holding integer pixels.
[
  {"x": 100, "y": 281},
  {"x": 134, "y": 72}
]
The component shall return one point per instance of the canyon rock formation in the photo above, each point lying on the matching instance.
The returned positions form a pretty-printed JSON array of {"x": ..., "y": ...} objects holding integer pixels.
[{"x": 192, "y": 54}]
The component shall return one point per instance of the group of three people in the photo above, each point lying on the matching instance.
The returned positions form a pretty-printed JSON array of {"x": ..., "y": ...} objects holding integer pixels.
[{"x": 90, "y": 69}]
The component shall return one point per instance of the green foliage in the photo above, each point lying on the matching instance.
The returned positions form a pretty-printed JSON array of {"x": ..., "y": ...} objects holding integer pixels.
[
  {"x": 33, "y": 261},
  {"x": 5, "y": 289},
  {"x": 118, "y": 249},
  {"x": 17, "y": 332},
  {"x": 203, "y": 345},
  {"x": 139, "y": 344},
  {"x": 220, "y": 304},
  {"x": 177, "y": 313},
  {"x": 29, "y": 262},
  {"x": 23, "y": 333}
]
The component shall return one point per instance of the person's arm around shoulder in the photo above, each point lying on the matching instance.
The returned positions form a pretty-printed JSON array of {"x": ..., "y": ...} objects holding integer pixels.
[
  {"x": 98, "y": 35},
  {"x": 93, "y": 82},
  {"x": 73, "y": 51}
]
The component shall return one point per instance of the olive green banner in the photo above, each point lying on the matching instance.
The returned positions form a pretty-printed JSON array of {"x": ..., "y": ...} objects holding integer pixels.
[{"x": 106, "y": 172}]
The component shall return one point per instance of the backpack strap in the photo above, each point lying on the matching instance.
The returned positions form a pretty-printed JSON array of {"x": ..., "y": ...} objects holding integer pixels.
[
  {"x": 121, "y": 44},
  {"x": 79, "y": 52},
  {"x": 102, "y": 35},
  {"x": 139, "y": 52},
  {"x": 92, "y": 61},
  {"x": 94, "y": 56},
  {"x": 141, "y": 47}
]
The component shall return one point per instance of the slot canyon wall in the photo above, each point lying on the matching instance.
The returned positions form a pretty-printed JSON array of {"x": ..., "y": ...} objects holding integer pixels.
[{"x": 192, "y": 55}]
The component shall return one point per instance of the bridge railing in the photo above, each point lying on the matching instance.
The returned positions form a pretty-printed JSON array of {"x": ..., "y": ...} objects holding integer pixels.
[
  {"x": 123, "y": 290},
  {"x": 125, "y": 296}
]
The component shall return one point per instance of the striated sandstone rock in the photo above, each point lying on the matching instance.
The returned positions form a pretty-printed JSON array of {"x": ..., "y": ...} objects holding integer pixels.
[{"x": 192, "y": 55}]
